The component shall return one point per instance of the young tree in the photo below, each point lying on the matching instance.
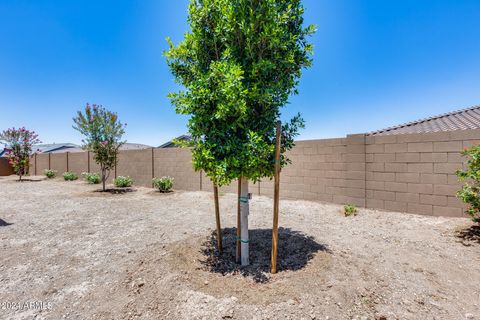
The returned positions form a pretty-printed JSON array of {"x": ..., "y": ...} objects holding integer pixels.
[
  {"x": 239, "y": 63},
  {"x": 103, "y": 132},
  {"x": 19, "y": 143},
  {"x": 470, "y": 192}
]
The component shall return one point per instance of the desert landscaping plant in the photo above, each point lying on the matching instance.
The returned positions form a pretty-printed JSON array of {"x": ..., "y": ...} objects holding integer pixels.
[
  {"x": 19, "y": 144},
  {"x": 70, "y": 176},
  {"x": 239, "y": 63},
  {"x": 50, "y": 173},
  {"x": 470, "y": 192},
  {"x": 349, "y": 210},
  {"x": 123, "y": 182},
  {"x": 164, "y": 184},
  {"x": 103, "y": 132},
  {"x": 92, "y": 177}
]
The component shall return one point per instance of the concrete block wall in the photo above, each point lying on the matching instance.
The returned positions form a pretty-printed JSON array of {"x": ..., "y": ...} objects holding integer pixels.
[
  {"x": 415, "y": 173},
  {"x": 176, "y": 163},
  {"x": 137, "y": 164},
  {"x": 412, "y": 173}
]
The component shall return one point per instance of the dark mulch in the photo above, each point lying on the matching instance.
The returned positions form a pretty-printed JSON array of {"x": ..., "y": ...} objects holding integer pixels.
[
  {"x": 295, "y": 249},
  {"x": 116, "y": 190},
  {"x": 469, "y": 235}
]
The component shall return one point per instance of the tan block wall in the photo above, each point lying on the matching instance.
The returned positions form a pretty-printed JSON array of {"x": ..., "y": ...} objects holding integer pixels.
[
  {"x": 77, "y": 162},
  {"x": 58, "y": 161},
  {"x": 137, "y": 164},
  {"x": 412, "y": 173},
  {"x": 177, "y": 163},
  {"x": 5, "y": 168},
  {"x": 42, "y": 163},
  {"x": 415, "y": 173}
]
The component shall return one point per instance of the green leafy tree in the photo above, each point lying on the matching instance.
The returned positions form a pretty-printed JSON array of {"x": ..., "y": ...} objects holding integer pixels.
[
  {"x": 470, "y": 192},
  {"x": 103, "y": 133},
  {"x": 238, "y": 64},
  {"x": 19, "y": 148}
]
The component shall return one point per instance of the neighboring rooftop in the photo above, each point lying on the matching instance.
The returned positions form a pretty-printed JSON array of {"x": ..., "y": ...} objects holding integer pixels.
[
  {"x": 134, "y": 146},
  {"x": 457, "y": 120},
  {"x": 56, "y": 148},
  {"x": 171, "y": 144}
]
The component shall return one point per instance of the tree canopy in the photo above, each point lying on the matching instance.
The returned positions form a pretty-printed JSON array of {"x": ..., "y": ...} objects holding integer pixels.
[
  {"x": 103, "y": 132},
  {"x": 19, "y": 148},
  {"x": 238, "y": 64}
]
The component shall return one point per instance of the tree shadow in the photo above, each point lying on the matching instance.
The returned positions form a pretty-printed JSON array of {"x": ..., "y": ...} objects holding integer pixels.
[
  {"x": 4, "y": 223},
  {"x": 295, "y": 249},
  {"x": 116, "y": 190},
  {"x": 469, "y": 235}
]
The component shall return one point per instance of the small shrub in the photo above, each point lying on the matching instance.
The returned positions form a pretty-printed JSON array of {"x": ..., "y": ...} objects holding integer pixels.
[
  {"x": 123, "y": 182},
  {"x": 92, "y": 177},
  {"x": 50, "y": 173},
  {"x": 164, "y": 184},
  {"x": 349, "y": 210},
  {"x": 471, "y": 177},
  {"x": 70, "y": 176}
]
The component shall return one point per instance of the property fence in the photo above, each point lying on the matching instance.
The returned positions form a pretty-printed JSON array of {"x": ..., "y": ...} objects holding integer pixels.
[
  {"x": 5, "y": 167},
  {"x": 412, "y": 173}
]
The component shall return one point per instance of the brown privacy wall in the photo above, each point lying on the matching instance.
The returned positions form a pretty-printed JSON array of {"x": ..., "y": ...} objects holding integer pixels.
[
  {"x": 412, "y": 173},
  {"x": 5, "y": 167}
]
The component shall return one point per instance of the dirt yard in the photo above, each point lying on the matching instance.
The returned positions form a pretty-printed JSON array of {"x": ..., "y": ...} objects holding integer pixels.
[{"x": 69, "y": 252}]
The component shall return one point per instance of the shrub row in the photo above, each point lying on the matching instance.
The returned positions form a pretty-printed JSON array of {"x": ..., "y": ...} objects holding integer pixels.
[{"x": 163, "y": 184}]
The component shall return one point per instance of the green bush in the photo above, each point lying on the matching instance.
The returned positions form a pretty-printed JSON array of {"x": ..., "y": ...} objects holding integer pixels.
[
  {"x": 349, "y": 210},
  {"x": 50, "y": 173},
  {"x": 70, "y": 176},
  {"x": 470, "y": 192},
  {"x": 164, "y": 184},
  {"x": 122, "y": 182},
  {"x": 92, "y": 177}
]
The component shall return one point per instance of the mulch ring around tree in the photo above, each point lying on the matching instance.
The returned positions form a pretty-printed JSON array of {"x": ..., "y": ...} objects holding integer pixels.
[
  {"x": 116, "y": 190},
  {"x": 301, "y": 264},
  {"x": 469, "y": 235}
]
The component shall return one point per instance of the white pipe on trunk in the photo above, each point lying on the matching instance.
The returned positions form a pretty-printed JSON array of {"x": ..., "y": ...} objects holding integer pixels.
[{"x": 244, "y": 211}]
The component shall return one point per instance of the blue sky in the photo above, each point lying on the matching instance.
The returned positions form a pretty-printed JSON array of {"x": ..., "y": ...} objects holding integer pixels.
[{"x": 376, "y": 64}]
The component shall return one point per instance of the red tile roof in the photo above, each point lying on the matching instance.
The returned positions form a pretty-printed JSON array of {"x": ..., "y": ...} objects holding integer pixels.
[{"x": 457, "y": 120}]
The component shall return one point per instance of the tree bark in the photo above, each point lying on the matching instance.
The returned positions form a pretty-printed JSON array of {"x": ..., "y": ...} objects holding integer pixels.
[
  {"x": 103, "y": 179},
  {"x": 244, "y": 211}
]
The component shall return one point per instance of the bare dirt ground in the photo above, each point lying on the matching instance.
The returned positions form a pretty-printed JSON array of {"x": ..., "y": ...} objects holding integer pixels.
[{"x": 69, "y": 252}]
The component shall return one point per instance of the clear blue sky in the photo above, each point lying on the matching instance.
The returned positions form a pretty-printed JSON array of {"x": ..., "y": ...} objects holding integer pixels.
[{"x": 376, "y": 64}]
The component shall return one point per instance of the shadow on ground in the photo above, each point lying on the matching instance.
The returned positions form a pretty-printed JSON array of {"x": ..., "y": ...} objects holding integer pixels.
[
  {"x": 4, "y": 223},
  {"x": 295, "y": 249},
  {"x": 116, "y": 190},
  {"x": 469, "y": 235}
]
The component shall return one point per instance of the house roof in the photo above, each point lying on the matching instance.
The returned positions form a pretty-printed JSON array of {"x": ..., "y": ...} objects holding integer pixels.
[
  {"x": 171, "y": 144},
  {"x": 463, "y": 119},
  {"x": 55, "y": 147},
  {"x": 134, "y": 146}
]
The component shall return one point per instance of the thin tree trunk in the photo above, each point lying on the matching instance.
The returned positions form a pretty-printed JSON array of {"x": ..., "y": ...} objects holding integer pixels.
[
  {"x": 103, "y": 179},
  {"x": 217, "y": 219},
  {"x": 244, "y": 211}
]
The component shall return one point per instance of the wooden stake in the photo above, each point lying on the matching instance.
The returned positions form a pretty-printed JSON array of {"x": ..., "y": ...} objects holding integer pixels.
[
  {"x": 67, "y": 163},
  {"x": 276, "y": 198},
  {"x": 239, "y": 224},
  {"x": 88, "y": 161},
  {"x": 217, "y": 217},
  {"x": 244, "y": 211}
]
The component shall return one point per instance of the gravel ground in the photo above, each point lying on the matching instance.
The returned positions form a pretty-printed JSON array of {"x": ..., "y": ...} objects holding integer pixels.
[{"x": 69, "y": 252}]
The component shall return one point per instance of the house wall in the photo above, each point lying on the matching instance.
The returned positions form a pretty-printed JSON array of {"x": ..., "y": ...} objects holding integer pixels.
[{"x": 412, "y": 173}]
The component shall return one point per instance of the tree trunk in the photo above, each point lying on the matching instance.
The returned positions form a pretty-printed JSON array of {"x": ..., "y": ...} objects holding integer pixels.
[
  {"x": 103, "y": 179},
  {"x": 244, "y": 211}
]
